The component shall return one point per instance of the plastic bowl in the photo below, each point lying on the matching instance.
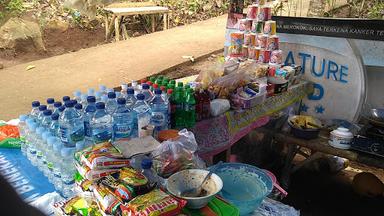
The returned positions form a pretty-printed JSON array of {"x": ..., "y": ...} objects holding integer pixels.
[
  {"x": 244, "y": 186},
  {"x": 310, "y": 133},
  {"x": 189, "y": 179}
]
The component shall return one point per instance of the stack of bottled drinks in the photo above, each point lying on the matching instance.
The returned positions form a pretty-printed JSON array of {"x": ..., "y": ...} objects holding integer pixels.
[{"x": 53, "y": 132}]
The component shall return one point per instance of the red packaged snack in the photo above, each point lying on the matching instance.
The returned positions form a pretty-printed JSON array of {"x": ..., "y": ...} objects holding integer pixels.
[
  {"x": 121, "y": 190},
  {"x": 155, "y": 203}
]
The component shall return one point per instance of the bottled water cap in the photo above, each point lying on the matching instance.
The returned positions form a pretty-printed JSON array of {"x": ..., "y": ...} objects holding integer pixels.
[{"x": 121, "y": 101}]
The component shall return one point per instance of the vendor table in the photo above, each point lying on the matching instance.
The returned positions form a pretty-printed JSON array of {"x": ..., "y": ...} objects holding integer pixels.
[
  {"x": 318, "y": 147},
  {"x": 218, "y": 134},
  {"x": 119, "y": 13}
]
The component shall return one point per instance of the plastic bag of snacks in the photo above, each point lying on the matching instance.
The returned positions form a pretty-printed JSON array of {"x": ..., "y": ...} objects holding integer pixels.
[
  {"x": 175, "y": 155},
  {"x": 9, "y": 136},
  {"x": 101, "y": 156},
  {"x": 153, "y": 204}
]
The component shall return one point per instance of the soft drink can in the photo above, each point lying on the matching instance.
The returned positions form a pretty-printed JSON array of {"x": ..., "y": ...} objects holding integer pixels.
[
  {"x": 273, "y": 43},
  {"x": 245, "y": 51},
  {"x": 254, "y": 41},
  {"x": 277, "y": 57},
  {"x": 257, "y": 26},
  {"x": 242, "y": 24},
  {"x": 265, "y": 14},
  {"x": 252, "y": 11},
  {"x": 248, "y": 39},
  {"x": 272, "y": 69},
  {"x": 265, "y": 56},
  {"x": 270, "y": 27},
  {"x": 263, "y": 41},
  {"x": 237, "y": 41}
]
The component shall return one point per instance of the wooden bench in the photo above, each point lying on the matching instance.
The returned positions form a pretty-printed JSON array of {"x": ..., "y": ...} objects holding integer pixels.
[{"x": 117, "y": 13}]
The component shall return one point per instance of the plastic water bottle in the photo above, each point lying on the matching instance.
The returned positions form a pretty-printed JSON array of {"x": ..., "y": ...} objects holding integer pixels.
[
  {"x": 91, "y": 92},
  {"x": 123, "y": 91},
  {"x": 77, "y": 96},
  {"x": 146, "y": 170},
  {"x": 66, "y": 98},
  {"x": 146, "y": 92},
  {"x": 84, "y": 100},
  {"x": 131, "y": 99},
  {"x": 101, "y": 124},
  {"x": 98, "y": 96},
  {"x": 50, "y": 102},
  {"x": 28, "y": 136},
  {"x": 142, "y": 115},
  {"x": 168, "y": 100},
  {"x": 35, "y": 110},
  {"x": 111, "y": 104},
  {"x": 61, "y": 110},
  {"x": 40, "y": 116},
  {"x": 89, "y": 111},
  {"x": 79, "y": 108},
  {"x": 135, "y": 87},
  {"x": 57, "y": 182},
  {"x": 110, "y": 90},
  {"x": 103, "y": 89},
  {"x": 56, "y": 107},
  {"x": 38, "y": 161},
  {"x": 68, "y": 171},
  {"x": 46, "y": 121},
  {"x": 122, "y": 121},
  {"x": 71, "y": 126},
  {"x": 54, "y": 126},
  {"x": 104, "y": 98},
  {"x": 50, "y": 157},
  {"x": 118, "y": 94},
  {"x": 22, "y": 125},
  {"x": 31, "y": 139},
  {"x": 159, "y": 112},
  {"x": 44, "y": 149}
]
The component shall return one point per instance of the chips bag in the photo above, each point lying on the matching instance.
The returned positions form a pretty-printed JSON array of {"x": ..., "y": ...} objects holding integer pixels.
[
  {"x": 117, "y": 188},
  {"x": 155, "y": 203},
  {"x": 92, "y": 175},
  {"x": 134, "y": 179},
  {"x": 108, "y": 202}
]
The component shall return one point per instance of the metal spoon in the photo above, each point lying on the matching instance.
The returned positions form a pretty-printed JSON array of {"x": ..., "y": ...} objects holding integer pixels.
[{"x": 195, "y": 192}]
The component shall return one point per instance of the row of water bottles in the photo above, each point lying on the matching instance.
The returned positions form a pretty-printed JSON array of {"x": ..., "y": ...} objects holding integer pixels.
[
  {"x": 46, "y": 151},
  {"x": 53, "y": 132}
]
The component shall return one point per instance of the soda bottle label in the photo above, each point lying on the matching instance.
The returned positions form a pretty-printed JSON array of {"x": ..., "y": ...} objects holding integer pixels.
[
  {"x": 189, "y": 107},
  {"x": 32, "y": 151},
  {"x": 158, "y": 118},
  {"x": 39, "y": 155},
  {"x": 69, "y": 181},
  {"x": 122, "y": 131},
  {"x": 77, "y": 135}
]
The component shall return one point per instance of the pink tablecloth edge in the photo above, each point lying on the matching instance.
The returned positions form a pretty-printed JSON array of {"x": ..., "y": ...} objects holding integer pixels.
[{"x": 256, "y": 124}]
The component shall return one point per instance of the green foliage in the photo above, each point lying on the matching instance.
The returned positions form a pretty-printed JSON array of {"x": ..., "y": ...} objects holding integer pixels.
[
  {"x": 376, "y": 11},
  {"x": 15, "y": 7},
  {"x": 188, "y": 11}
]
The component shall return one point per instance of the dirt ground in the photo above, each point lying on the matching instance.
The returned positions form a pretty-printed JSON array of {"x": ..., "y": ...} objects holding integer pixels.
[{"x": 57, "y": 43}]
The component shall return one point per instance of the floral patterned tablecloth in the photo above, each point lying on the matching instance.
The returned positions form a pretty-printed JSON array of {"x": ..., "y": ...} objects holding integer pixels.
[{"x": 217, "y": 134}]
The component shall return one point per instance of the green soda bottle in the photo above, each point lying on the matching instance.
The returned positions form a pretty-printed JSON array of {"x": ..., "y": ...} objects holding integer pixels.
[
  {"x": 178, "y": 108},
  {"x": 152, "y": 79},
  {"x": 173, "y": 82},
  {"x": 186, "y": 89},
  {"x": 190, "y": 108}
]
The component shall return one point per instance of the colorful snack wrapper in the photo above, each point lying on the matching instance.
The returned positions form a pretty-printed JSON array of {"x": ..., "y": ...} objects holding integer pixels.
[
  {"x": 117, "y": 188},
  {"x": 135, "y": 179},
  {"x": 102, "y": 156},
  {"x": 92, "y": 175},
  {"x": 77, "y": 205},
  {"x": 108, "y": 202},
  {"x": 155, "y": 203}
]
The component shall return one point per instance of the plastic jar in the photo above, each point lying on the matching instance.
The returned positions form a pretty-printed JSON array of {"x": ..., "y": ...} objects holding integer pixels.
[{"x": 341, "y": 138}]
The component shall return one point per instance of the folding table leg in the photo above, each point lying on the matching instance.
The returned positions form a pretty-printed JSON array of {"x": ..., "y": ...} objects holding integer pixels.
[
  {"x": 117, "y": 28},
  {"x": 165, "y": 21},
  {"x": 153, "y": 22}
]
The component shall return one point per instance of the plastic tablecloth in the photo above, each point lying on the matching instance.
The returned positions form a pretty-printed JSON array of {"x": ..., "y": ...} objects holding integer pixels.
[{"x": 218, "y": 134}]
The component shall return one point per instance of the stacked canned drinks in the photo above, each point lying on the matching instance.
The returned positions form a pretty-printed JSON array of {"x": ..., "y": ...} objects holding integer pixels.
[{"x": 256, "y": 38}]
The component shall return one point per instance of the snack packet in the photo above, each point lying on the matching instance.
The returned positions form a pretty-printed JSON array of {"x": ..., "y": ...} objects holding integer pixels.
[
  {"x": 117, "y": 188},
  {"x": 92, "y": 175},
  {"x": 108, "y": 202},
  {"x": 77, "y": 205},
  {"x": 134, "y": 179},
  {"x": 155, "y": 203},
  {"x": 102, "y": 156}
]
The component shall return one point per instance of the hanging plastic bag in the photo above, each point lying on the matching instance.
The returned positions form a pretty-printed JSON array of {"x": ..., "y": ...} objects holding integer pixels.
[{"x": 176, "y": 155}]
